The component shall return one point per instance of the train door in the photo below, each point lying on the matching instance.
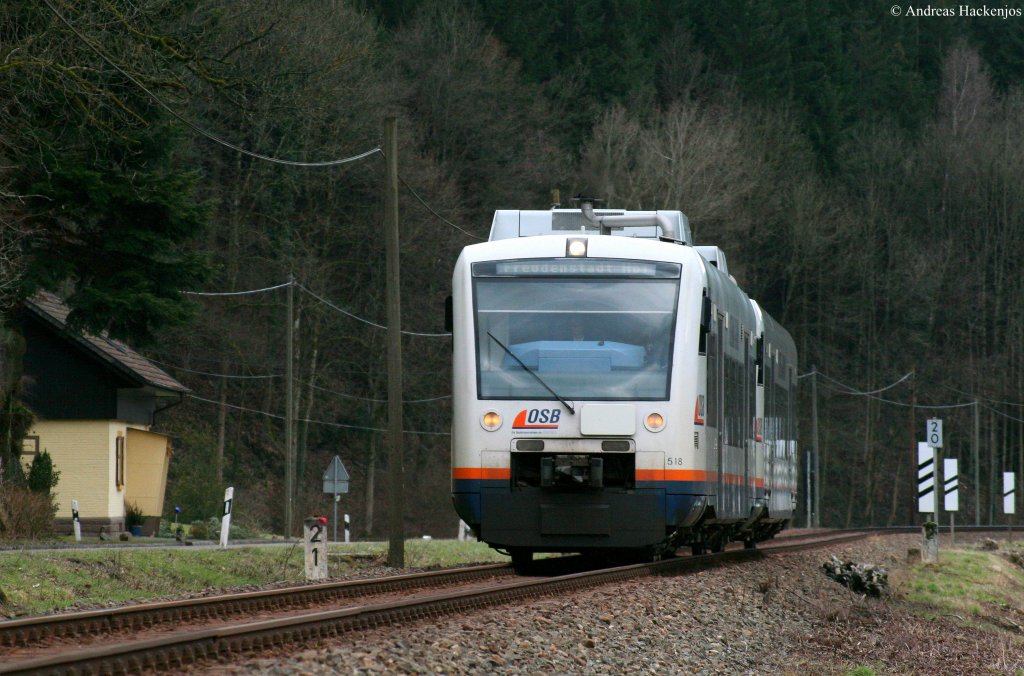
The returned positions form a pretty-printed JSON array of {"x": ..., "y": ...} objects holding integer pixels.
[
  {"x": 748, "y": 435},
  {"x": 712, "y": 412},
  {"x": 768, "y": 430},
  {"x": 722, "y": 417},
  {"x": 761, "y": 480},
  {"x": 791, "y": 450}
]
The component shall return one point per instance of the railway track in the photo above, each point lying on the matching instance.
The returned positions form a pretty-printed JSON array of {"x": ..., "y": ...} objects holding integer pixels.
[{"x": 241, "y": 623}]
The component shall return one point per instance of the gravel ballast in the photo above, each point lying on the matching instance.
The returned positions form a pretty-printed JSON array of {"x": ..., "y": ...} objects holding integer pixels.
[{"x": 782, "y": 615}]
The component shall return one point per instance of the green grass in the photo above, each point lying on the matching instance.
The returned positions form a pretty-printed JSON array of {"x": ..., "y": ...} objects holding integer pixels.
[
  {"x": 41, "y": 581},
  {"x": 444, "y": 553},
  {"x": 967, "y": 585}
]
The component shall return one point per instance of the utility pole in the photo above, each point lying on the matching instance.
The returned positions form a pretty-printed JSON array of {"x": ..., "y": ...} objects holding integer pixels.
[
  {"x": 817, "y": 451},
  {"x": 977, "y": 469},
  {"x": 396, "y": 466},
  {"x": 289, "y": 415},
  {"x": 913, "y": 453}
]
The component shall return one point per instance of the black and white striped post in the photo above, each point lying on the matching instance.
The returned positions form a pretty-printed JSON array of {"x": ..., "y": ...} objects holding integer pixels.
[
  {"x": 925, "y": 479},
  {"x": 225, "y": 521},
  {"x": 926, "y": 501},
  {"x": 76, "y": 524},
  {"x": 1009, "y": 501},
  {"x": 950, "y": 489}
]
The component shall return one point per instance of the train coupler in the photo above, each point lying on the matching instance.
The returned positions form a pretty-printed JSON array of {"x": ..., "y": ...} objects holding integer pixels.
[{"x": 569, "y": 471}]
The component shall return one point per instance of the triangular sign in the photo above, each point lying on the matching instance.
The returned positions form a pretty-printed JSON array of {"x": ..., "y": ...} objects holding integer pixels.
[{"x": 336, "y": 471}]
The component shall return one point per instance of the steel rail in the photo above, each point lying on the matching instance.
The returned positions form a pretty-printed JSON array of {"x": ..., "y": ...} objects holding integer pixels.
[
  {"x": 181, "y": 648},
  {"x": 25, "y": 631}
]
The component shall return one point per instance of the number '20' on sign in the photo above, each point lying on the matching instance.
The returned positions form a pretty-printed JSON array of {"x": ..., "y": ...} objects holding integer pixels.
[{"x": 933, "y": 432}]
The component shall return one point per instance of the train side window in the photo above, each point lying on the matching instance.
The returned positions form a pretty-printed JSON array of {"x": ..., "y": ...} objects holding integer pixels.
[
  {"x": 705, "y": 324},
  {"x": 712, "y": 384},
  {"x": 760, "y": 360},
  {"x": 734, "y": 397}
]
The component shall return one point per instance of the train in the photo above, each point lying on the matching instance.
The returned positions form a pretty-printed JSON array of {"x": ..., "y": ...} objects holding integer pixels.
[{"x": 614, "y": 391}]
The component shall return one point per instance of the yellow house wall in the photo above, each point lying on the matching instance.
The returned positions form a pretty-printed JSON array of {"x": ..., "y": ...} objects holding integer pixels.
[
  {"x": 83, "y": 451},
  {"x": 146, "y": 470}
]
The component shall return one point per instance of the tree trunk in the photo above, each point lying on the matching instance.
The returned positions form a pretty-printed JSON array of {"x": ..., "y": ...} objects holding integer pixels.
[
  {"x": 222, "y": 424},
  {"x": 371, "y": 473}
]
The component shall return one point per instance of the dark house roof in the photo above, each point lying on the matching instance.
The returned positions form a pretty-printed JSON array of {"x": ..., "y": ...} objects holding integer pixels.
[{"x": 117, "y": 356}]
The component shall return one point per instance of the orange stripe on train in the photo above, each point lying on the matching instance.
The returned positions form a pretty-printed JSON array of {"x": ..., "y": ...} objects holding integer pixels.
[
  {"x": 481, "y": 473},
  {"x": 691, "y": 475},
  {"x": 499, "y": 473}
]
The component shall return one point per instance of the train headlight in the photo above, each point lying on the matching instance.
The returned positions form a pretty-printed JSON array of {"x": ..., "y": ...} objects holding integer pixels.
[
  {"x": 576, "y": 248},
  {"x": 655, "y": 422},
  {"x": 491, "y": 421}
]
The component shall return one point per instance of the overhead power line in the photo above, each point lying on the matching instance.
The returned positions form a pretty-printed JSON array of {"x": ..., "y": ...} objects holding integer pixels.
[
  {"x": 235, "y": 293},
  {"x": 439, "y": 216},
  {"x": 367, "y": 321},
  {"x": 926, "y": 406},
  {"x": 343, "y": 395},
  {"x": 853, "y": 391},
  {"x": 873, "y": 393},
  {"x": 312, "y": 422},
  {"x": 317, "y": 297},
  {"x": 196, "y": 128},
  {"x": 986, "y": 399},
  {"x": 1003, "y": 414},
  {"x": 372, "y": 400},
  {"x": 214, "y": 375}
]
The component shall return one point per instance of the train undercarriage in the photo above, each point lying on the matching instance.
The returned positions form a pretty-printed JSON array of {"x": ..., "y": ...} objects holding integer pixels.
[{"x": 593, "y": 505}]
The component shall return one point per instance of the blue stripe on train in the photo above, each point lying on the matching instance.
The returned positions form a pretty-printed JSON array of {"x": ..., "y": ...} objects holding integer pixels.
[
  {"x": 677, "y": 496},
  {"x": 692, "y": 487}
]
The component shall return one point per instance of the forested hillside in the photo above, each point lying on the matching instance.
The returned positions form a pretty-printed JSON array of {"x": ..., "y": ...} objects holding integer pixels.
[{"x": 862, "y": 170}]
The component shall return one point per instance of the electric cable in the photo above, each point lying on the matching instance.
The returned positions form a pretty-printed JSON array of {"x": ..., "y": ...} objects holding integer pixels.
[
  {"x": 194, "y": 127},
  {"x": 313, "y": 422}
]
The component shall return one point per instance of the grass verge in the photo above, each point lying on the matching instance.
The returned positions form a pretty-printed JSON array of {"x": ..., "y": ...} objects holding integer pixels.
[
  {"x": 42, "y": 581},
  {"x": 976, "y": 588}
]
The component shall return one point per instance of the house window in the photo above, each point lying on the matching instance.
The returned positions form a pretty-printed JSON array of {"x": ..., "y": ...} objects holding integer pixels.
[
  {"x": 119, "y": 461},
  {"x": 29, "y": 451}
]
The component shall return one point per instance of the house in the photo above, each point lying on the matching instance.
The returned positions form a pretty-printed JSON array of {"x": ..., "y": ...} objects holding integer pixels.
[{"x": 95, "y": 402}]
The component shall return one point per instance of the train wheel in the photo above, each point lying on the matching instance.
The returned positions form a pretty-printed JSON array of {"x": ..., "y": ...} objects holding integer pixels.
[
  {"x": 521, "y": 559},
  {"x": 750, "y": 544}
]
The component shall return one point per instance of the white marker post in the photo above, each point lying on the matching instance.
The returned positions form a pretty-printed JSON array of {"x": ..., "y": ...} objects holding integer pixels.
[
  {"x": 925, "y": 478},
  {"x": 926, "y": 501},
  {"x": 1009, "y": 501},
  {"x": 347, "y": 531},
  {"x": 314, "y": 534},
  {"x": 950, "y": 488},
  {"x": 75, "y": 522},
  {"x": 225, "y": 521}
]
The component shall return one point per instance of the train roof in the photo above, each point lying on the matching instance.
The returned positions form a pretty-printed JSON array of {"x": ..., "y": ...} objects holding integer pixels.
[
  {"x": 513, "y": 223},
  {"x": 776, "y": 337},
  {"x": 715, "y": 256}
]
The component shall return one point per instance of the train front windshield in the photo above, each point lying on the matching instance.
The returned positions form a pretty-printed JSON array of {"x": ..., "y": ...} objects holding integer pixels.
[{"x": 592, "y": 329}]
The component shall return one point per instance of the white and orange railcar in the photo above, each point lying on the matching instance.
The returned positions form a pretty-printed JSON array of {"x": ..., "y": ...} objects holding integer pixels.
[{"x": 615, "y": 390}]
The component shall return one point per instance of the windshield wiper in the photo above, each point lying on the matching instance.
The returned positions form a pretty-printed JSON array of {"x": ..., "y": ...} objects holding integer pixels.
[{"x": 532, "y": 373}]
